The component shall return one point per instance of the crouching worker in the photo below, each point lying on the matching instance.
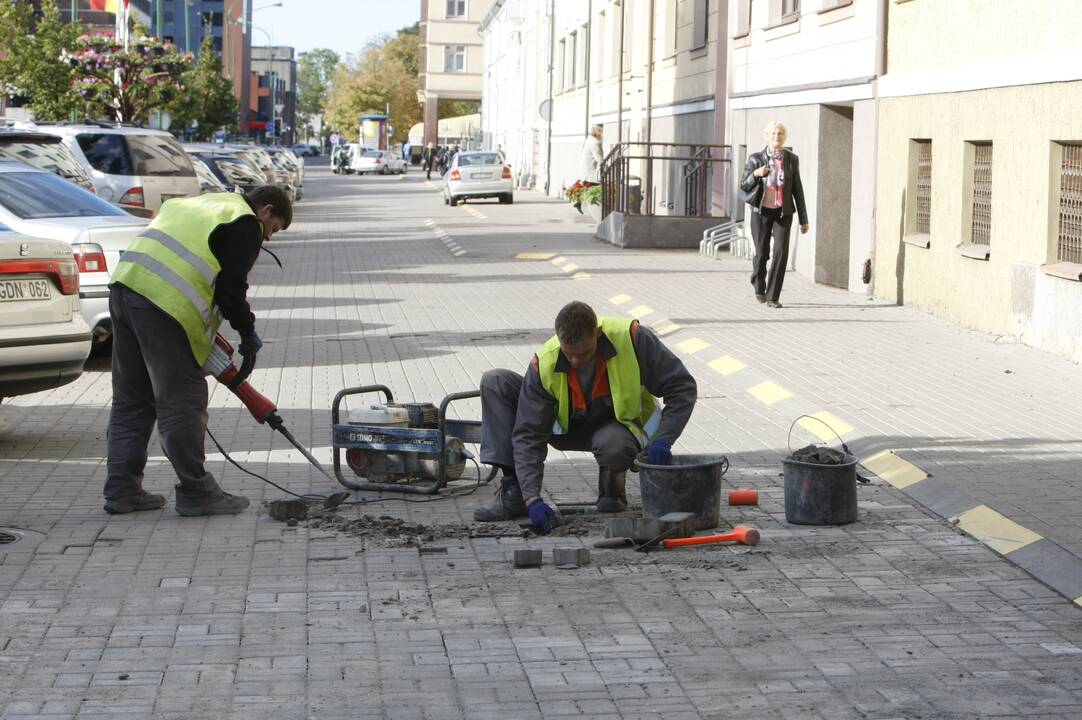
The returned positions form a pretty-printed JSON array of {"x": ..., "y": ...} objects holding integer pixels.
[
  {"x": 592, "y": 386},
  {"x": 181, "y": 275}
]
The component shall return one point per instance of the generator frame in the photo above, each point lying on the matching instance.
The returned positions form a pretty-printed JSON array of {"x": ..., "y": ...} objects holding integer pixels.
[{"x": 420, "y": 441}]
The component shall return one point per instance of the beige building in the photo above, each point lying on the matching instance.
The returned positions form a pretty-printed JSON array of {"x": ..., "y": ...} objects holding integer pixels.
[
  {"x": 450, "y": 55},
  {"x": 980, "y": 167}
]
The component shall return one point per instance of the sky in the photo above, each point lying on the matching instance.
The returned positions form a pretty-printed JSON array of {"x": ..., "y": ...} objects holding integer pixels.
[{"x": 344, "y": 26}]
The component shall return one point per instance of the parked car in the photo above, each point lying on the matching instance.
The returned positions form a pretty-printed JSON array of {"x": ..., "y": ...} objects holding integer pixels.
[
  {"x": 44, "y": 340},
  {"x": 129, "y": 165},
  {"x": 289, "y": 165},
  {"x": 234, "y": 173},
  {"x": 40, "y": 204},
  {"x": 46, "y": 152},
  {"x": 306, "y": 150},
  {"x": 237, "y": 152},
  {"x": 475, "y": 175},
  {"x": 208, "y": 181},
  {"x": 377, "y": 161}
]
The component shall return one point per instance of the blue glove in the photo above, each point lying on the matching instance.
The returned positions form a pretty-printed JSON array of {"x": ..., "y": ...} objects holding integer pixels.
[
  {"x": 250, "y": 344},
  {"x": 543, "y": 516},
  {"x": 659, "y": 453}
]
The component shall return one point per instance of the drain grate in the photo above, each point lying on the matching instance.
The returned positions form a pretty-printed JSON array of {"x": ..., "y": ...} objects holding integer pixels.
[{"x": 7, "y": 538}]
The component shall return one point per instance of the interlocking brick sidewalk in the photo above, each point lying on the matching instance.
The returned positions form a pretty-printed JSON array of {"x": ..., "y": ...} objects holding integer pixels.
[{"x": 896, "y": 616}]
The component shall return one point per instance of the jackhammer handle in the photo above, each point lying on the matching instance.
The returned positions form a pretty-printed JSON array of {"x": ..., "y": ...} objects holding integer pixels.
[
  {"x": 741, "y": 534},
  {"x": 359, "y": 390}
]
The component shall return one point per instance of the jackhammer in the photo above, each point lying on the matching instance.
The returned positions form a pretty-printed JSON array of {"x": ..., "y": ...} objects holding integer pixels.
[{"x": 220, "y": 365}]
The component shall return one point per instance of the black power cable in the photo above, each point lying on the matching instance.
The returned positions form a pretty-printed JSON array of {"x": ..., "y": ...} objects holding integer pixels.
[{"x": 313, "y": 497}]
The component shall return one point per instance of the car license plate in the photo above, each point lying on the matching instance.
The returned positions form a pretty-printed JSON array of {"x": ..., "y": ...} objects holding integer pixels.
[
  {"x": 25, "y": 290},
  {"x": 481, "y": 176}
]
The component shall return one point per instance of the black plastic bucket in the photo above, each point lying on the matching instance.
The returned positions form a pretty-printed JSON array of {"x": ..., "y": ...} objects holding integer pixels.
[
  {"x": 691, "y": 484},
  {"x": 820, "y": 494}
]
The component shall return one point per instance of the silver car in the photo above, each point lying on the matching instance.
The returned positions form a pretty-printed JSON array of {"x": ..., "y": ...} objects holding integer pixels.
[
  {"x": 40, "y": 204},
  {"x": 377, "y": 161},
  {"x": 475, "y": 175},
  {"x": 43, "y": 338},
  {"x": 130, "y": 166}
]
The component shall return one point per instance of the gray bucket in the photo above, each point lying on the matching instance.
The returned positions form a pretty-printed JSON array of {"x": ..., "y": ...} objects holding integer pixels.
[
  {"x": 820, "y": 494},
  {"x": 691, "y": 484}
]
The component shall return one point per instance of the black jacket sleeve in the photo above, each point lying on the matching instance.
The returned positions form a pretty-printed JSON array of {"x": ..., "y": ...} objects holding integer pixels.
[
  {"x": 236, "y": 246},
  {"x": 665, "y": 376},
  {"x": 749, "y": 181},
  {"x": 798, "y": 192}
]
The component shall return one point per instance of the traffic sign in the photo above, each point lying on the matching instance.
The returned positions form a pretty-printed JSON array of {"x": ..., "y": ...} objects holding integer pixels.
[
  {"x": 334, "y": 138},
  {"x": 270, "y": 127}
]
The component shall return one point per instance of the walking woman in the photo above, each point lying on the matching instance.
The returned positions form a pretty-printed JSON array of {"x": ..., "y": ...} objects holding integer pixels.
[{"x": 771, "y": 185}]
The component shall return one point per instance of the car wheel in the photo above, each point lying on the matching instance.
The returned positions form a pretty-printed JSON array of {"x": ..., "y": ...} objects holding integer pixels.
[
  {"x": 386, "y": 169},
  {"x": 453, "y": 201}
]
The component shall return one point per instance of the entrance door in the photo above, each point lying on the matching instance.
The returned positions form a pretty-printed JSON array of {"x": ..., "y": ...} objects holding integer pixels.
[{"x": 830, "y": 217}]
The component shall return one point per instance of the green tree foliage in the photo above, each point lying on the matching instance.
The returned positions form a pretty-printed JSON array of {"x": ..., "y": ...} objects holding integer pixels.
[
  {"x": 457, "y": 108},
  {"x": 31, "y": 65},
  {"x": 385, "y": 73},
  {"x": 126, "y": 85},
  {"x": 315, "y": 70},
  {"x": 207, "y": 97}
]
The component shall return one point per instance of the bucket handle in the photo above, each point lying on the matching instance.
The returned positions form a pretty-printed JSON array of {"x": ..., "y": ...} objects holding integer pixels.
[{"x": 789, "y": 439}]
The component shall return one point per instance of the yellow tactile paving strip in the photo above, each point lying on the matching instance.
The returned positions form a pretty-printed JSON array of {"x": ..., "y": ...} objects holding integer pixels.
[
  {"x": 640, "y": 311},
  {"x": 769, "y": 392},
  {"x": 726, "y": 365},
  {"x": 894, "y": 470},
  {"x": 692, "y": 346},
  {"x": 995, "y": 530},
  {"x": 534, "y": 256}
]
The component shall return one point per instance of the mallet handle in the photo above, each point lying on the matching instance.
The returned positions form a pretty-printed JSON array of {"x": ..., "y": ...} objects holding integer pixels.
[{"x": 741, "y": 534}]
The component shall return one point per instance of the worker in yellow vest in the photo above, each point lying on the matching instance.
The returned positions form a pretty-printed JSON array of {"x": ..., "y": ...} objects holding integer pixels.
[
  {"x": 591, "y": 387},
  {"x": 180, "y": 277}
]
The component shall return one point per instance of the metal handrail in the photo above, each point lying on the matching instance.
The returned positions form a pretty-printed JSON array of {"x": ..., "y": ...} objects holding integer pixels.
[{"x": 624, "y": 192}]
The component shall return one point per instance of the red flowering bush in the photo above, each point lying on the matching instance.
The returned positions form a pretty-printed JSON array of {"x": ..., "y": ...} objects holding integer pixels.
[{"x": 574, "y": 193}]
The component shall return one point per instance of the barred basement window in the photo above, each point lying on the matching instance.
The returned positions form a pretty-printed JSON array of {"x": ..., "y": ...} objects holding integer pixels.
[
  {"x": 1069, "y": 240},
  {"x": 923, "y": 195},
  {"x": 981, "y": 219}
]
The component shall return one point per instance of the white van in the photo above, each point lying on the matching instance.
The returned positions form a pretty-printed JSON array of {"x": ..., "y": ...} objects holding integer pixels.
[{"x": 129, "y": 165}]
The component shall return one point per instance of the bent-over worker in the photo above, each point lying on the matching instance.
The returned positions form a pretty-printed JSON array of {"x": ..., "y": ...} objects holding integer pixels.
[
  {"x": 591, "y": 387},
  {"x": 181, "y": 275}
]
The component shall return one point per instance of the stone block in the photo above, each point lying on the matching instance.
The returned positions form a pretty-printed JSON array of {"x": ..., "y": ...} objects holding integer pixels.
[
  {"x": 681, "y": 524},
  {"x": 527, "y": 558},
  {"x": 567, "y": 558}
]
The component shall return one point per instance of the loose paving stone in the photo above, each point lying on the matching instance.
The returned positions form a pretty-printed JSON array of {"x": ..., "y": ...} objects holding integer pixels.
[{"x": 570, "y": 558}]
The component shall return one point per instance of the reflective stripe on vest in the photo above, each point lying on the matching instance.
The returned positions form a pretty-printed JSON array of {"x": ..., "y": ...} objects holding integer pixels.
[
  {"x": 170, "y": 263},
  {"x": 634, "y": 407}
]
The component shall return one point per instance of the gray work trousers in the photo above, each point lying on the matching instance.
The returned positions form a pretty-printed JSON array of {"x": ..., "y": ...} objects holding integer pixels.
[
  {"x": 155, "y": 377},
  {"x": 613, "y": 445}
]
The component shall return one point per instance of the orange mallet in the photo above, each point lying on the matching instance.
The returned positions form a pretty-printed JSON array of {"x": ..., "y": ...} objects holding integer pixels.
[
  {"x": 743, "y": 496},
  {"x": 741, "y": 534}
]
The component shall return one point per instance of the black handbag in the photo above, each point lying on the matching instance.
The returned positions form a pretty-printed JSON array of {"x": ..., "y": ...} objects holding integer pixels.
[{"x": 753, "y": 197}]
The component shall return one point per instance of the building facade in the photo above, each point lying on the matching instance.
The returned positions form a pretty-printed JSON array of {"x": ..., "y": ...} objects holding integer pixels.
[
  {"x": 451, "y": 55},
  {"x": 813, "y": 65},
  {"x": 980, "y": 159},
  {"x": 645, "y": 70},
  {"x": 272, "y": 105}
]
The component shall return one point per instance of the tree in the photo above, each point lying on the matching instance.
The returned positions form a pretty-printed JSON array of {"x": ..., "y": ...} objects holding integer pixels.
[
  {"x": 315, "y": 70},
  {"x": 208, "y": 97},
  {"x": 384, "y": 75},
  {"x": 32, "y": 67},
  {"x": 126, "y": 85}
]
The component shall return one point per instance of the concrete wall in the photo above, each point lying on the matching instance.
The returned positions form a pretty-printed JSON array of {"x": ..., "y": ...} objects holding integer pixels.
[
  {"x": 832, "y": 196},
  {"x": 862, "y": 202},
  {"x": 1008, "y": 293}
]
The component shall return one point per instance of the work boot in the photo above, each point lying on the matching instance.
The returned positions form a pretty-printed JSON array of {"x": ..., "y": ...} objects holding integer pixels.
[
  {"x": 134, "y": 503},
  {"x": 611, "y": 497},
  {"x": 205, "y": 497},
  {"x": 507, "y": 505}
]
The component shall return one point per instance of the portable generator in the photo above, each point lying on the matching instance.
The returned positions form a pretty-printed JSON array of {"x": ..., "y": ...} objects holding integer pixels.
[{"x": 402, "y": 447}]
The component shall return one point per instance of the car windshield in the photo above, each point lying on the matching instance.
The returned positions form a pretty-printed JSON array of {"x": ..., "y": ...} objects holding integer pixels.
[
  {"x": 158, "y": 155},
  {"x": 237, "y": 171},
  {"x": 479, "y": 159},
  {"x": 52, "y": 157},
  {"x": 373, "y": 153},
  {"x": 37, "y": 195}
]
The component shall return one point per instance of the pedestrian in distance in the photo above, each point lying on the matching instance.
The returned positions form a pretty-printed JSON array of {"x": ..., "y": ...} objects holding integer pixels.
[
  {"x": 592, "y": 157},
  {"x": 429, "y": 158},
  {"x": 179, "y": 278},
  {"x": 591, "y": 387},
  {"x": 771, "y": 185}
]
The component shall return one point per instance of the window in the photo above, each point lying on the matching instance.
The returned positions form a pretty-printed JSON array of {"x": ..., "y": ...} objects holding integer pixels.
[
  {"x": 456, "y": 8},
  {"x": 561, "y": 65},
  {"x": 106, "y": 153},
  {"x": 672, "y": 25},
  {"x": 38, "y": 195},
  {"x": 789, "y": 9},
  {"x": 784, "y": 11},
  {"x": 454, "y": 58},
  {"x": 979, "y": 205},
  {"x": 700, "y": 23},
  {"x": 584, "y": 53},
  {"x": 158, "y": 155},
  {"x": 922, "y": 188},
  {"x": 832, "y": 4},
  {"x": 743, "y": 18},
  {"x": 1069, "y": 234},
  {"x": 598, "y": 50},
  {"x": 573, "y": 58}
]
